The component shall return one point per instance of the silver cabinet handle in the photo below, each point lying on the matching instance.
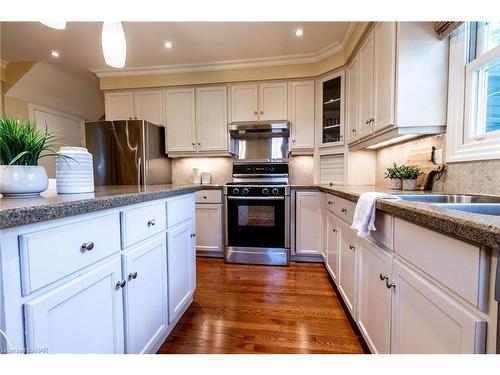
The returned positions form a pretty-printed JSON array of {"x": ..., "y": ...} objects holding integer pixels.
[
  {"x": 354, "y": 131},
  {"x": 372, "y": 120},
  {"x": 151, "y": 223},
  {"x": 343, "y": 210},
  {"x": 121, "y": 284},
  {"x": 132, "y": 275},
  {"x": 384, "y": 277},
  {"x": 331, "y": 183},
  {"x": 367, "y": 122},
  {"x": 192, "y": 143},
  {"x": 193, "y": 235},
  {"x": 334, "y": 230},
  {"x": 330, "y": 202},
  {"x": 389, "y": 284},
  {"x": 87, "y": 246},
  {"x": 352, "y": 247},
  {"x": 199, "y": 144}
]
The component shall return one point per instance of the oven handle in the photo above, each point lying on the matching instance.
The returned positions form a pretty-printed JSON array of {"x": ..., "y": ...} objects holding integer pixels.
[{"x": 257, "y": 198}]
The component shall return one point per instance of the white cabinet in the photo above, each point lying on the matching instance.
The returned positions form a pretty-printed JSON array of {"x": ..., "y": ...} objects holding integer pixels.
[
  {"x": 180, "y": 120},
  {"x": 259, "y": 102},
  {"x": 352, "y": 82},
  {"x": 145, "y": 294},
  {"x": 82, "y": 316},
  {"x": 308, "y": 216},
  {"x": 211, "y": 118},
  {"x": 332, "y": 245},
  {"x": 209, "y": 228},
  {"x": 119, "y": 105},
  {"x": 302, "y": 115},
  {"x": 373, "y": 296},
  {"x": 134, "y": 105},
  {"x": 384, "y": 74},
  {"x": 347, "y": 266},
  {"x": 427, "y": 320},
  {"x": 331, "y": 109},
  {"x": 181, "y": 268},
  {"x": 365, "y": 118}
]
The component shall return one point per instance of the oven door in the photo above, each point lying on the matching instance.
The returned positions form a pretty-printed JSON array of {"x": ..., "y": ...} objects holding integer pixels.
[{"x": 257, "y": 222}]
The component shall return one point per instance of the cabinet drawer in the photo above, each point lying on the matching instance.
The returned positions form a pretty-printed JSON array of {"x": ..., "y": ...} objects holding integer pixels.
[
  {"x": 330, "y": 201},
  {"x": 458, "y": 265},
  {"x": 49, "y": 255},
  {"x": 344, "y": 209},
  {"x": 180, "y": 209},
  {"x": 208, "y": 196},
  {"x": 142, "y": 222}
]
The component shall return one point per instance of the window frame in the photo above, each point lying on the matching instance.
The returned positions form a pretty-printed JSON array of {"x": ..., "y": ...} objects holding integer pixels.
[{"x": 462, "y": 142}]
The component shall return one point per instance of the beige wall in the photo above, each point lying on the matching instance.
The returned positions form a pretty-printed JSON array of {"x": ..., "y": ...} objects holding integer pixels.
[{"x": 15, "y": 107}]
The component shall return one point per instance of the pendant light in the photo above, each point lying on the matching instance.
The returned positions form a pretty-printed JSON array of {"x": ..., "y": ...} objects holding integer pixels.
[
  {"x": 114, "y": 46},
  {"x": 58, "y": 25}
]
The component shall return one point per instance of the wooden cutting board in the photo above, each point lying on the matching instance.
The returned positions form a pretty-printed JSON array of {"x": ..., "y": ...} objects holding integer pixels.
[{"x": 424, "y": 160}]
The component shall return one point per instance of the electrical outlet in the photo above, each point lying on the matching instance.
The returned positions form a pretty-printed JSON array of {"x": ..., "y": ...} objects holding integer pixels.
[{"x": 438, "y": 156}]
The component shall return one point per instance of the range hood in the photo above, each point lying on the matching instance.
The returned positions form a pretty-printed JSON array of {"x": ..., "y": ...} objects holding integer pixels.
[{"x": 272, "y": 129}]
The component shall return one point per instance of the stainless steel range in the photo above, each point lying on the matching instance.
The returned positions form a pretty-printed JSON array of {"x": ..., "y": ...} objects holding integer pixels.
[{"x": 257, "y": 214}]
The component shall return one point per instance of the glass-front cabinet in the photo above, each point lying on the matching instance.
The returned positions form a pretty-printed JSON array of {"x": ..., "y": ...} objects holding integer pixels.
[{"x": 331, "y": 106}]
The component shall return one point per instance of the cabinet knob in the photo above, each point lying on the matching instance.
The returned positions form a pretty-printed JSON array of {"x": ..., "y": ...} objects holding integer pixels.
[
  {"x": 389, "y": 284},
  {"x": 151, "y": 223},
  {"x": 343, "y": 210},
  {"x": 132, "y": 275},
  {"x": 121, "y": 284},
  {"x": 193, "y": 235},
  {"x": 261, "y": 112},
  {"x": 367, "y": 122},
  {"x": 199, "y": 143},
  {"x": 354, "y": 131},
  {"x": 87, "y": 246},
  {"x": 293, "y": 140},
  {"x": 383, "y": 277},
  {"x": 254, "y": 112},
  {"x": 193, "y": 143},
  {"x": 352, "y": 247},
  {"x": 334, "y": 230},
  {"x": 204, "y": 197},
  {"x": 331, "y": 183}
]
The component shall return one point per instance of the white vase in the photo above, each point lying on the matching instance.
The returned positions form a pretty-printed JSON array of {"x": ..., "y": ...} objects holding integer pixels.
[
  {"x": 75, "y": 173},
  {"x": 22, "y": 180},
  {"x": 410, "y": 184},
  {"x": 395, "y": 184}
]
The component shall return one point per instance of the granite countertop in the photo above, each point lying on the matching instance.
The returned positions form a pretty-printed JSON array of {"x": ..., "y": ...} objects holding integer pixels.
[
  {"x": 476, "y": 228},
  {"x": 50, "y": 205}
]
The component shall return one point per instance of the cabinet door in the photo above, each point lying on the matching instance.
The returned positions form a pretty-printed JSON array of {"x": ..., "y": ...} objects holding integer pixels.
[
  {"x": 366, "y": 87},
  {"x": 331, "y": 104},
  {"x": 308, "y": 214},
  {"x": 146, "y": 306},
  {"x": 244, "y": 102},
  {"x": 374, "y": 297},
  {"x": 180, "y": 120},
  {"x": 353, "y": 100},
  {"x": 119, "y": 105},
  {"x": 211, "y": 118},
  {"x": 149, "y": 106},
  {"x": 332, "y": 244},
  {"x": 83, "y": 316},
  {"x": 427, "y": 320},
  {"x": 384, "y": 74},
  {"x": 181, "y": 268},
  {"x": 302, "y": 114},
  {"x": 347, "y": 266},
  {"x": 208, "y": 227},
  {"x": 273, "y": 101}
]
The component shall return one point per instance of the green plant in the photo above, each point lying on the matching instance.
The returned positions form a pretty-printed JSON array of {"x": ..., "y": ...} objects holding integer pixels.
[
  {"x": 21, "y": 143},
  {"x": 393, "y": 172},
  {"x": 410, "y": 172}
]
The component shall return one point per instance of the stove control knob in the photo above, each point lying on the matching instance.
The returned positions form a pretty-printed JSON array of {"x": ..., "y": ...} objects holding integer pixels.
[
  {"x": 236, "y": 191},
  {"x": 245, "y": 191},
  {"x": 265, "y": 191},
  {"x": 275, "y": 191}
]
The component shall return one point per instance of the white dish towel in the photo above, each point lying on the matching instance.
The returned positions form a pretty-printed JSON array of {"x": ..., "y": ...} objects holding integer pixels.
[{"x": 364, "y": 215}]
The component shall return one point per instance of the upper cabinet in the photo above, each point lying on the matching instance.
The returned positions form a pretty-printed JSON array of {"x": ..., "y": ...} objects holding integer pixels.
[
  {"x": 180, "y": 116},
  {"x": 134, "y": 105},
  {"x": 301, "y": 116},
  {"x": 267, "y": 101},
  {"x": 402, "y": 84},
  {"x": 352, "y": 112},
  {"x": 211, "y": 118},
  {"x": 331, "y": 104}
]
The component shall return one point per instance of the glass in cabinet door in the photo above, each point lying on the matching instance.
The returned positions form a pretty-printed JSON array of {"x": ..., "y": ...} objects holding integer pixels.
[{"x": 331, "y": 127}]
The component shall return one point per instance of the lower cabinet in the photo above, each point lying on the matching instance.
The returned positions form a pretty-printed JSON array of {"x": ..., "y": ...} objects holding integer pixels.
[
  {"x": 308, "y": 215},
  {"x": 332, "y": 244},
  {"x": 209, "y": 229},
  {"x": 427, "y": 320},
  {"x": 83, "y": 316},
  {"x": 347, "y": 265},
  {"x": 374, "y": 296},
  {"x": 181, "y": 268},
  {"x": 145, "y": 295}
]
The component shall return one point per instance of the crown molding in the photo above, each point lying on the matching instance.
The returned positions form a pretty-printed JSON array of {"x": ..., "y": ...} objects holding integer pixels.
[
  {"x": 306, "y": 58},
  {"x": 3, "y": 64}
]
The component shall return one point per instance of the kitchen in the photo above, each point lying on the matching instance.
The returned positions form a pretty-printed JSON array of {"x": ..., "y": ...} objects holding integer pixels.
[{"x": 335, "y": 191}]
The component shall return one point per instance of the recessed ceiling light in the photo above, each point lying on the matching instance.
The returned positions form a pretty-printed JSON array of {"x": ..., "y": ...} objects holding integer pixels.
[
  {"x": 299, "y": 32},
  {"x": 168, "y": 45},
  {"x": 55, "y": 53}
]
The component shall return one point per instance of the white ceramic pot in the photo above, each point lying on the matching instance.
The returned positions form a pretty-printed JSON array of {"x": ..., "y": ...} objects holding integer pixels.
[
  {"x": 22, "y": 180},
  {"x": 395, "y": 184},
  {"x": 410, "y": 184},
  {"x": 75, "y": 173}
]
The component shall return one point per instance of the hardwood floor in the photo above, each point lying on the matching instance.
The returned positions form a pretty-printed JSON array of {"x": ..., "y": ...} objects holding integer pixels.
[{"x": 262, "y": 309}]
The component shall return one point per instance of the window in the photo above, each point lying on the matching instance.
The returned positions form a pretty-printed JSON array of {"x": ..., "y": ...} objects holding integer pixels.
[{"x": 474, "y": 92}]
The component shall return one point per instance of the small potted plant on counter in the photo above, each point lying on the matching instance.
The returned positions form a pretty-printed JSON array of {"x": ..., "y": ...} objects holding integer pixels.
[
  {"x": 21, "y": 146},
  {"x": 394, "y": 174},
  {"x": 409, "y": 174}
]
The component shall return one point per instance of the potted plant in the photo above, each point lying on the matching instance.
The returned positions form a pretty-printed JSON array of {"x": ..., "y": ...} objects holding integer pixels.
[
  {"x": 21, "y": 146},
  {"x": 394, "y": 174},
  {"x": 409, "y": 174}
]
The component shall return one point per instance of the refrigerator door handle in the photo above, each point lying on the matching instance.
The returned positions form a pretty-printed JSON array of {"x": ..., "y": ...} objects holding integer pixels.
[{"x": 139, "y": 172}]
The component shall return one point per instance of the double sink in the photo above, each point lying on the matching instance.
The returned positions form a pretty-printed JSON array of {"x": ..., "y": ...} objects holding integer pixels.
[{"x": 465, "y": 203}]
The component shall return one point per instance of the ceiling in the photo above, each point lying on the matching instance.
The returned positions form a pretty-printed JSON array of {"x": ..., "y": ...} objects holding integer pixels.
[{"x": 194, "y": 43}]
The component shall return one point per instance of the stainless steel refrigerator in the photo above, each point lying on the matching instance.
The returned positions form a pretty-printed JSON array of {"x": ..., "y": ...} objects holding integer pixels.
[{"x": 128, "y": 152}]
